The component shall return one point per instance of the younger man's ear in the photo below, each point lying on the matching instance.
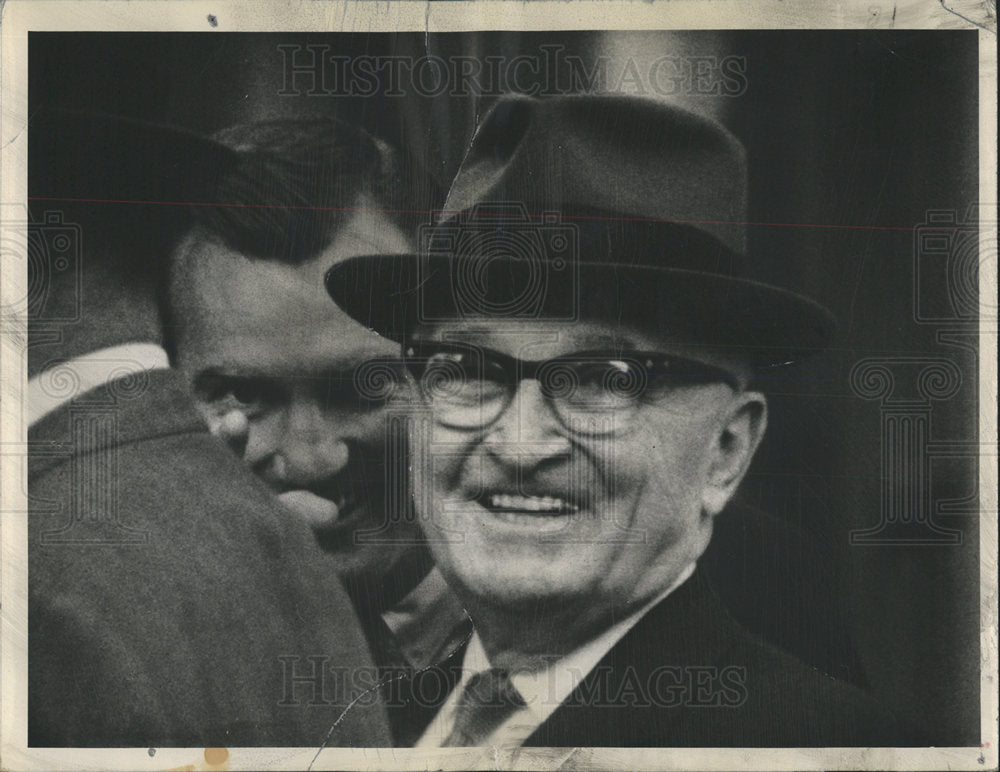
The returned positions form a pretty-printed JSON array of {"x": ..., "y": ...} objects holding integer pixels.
[{"x": 739, "y": 435}]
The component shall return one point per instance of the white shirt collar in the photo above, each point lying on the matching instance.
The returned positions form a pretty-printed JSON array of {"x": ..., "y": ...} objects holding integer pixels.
[
  {"x": 55, "y": 386},
  {"x": 543, "y": 691}
]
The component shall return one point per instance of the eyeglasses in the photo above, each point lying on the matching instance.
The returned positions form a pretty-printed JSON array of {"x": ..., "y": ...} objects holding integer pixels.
[{"x": 591, "y": 393}]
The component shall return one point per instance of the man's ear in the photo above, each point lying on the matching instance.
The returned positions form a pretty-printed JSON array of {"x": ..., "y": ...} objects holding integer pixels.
[{"x": 739, "y": 434}]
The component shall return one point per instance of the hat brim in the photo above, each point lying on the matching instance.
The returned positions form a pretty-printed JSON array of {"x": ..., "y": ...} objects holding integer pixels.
[{"x": 393, "y": 294}]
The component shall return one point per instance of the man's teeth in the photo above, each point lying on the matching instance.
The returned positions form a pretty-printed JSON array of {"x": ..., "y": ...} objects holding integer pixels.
[{"x": 531, "y": 503}]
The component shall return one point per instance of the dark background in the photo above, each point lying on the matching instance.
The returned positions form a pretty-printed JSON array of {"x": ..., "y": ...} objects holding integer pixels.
[{"x": 852, "y": 136}]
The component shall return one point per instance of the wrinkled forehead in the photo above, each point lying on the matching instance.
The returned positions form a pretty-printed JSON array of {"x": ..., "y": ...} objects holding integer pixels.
[
  {"x": 556, "y": 336},
  {"x": 543, "y": 339}
]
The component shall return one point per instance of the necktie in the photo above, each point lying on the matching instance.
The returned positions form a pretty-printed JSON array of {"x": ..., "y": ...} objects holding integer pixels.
[{"x": 487, "y": 701}]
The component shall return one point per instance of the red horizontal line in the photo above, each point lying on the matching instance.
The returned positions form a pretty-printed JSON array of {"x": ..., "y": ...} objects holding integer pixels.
[{"x": 949, "y": 229}]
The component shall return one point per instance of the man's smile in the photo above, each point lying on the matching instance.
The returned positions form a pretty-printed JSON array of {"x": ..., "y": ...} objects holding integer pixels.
[{"x": 532, "y": 505}]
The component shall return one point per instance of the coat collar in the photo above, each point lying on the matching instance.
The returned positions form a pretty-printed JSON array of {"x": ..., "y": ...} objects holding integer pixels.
[
  {"x": 153, "y": 404},
  {"x": 687, "y": 630}
]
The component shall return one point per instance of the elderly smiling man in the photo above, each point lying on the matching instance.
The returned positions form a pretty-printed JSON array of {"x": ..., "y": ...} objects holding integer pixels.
[{"x": 584, "y": 335}]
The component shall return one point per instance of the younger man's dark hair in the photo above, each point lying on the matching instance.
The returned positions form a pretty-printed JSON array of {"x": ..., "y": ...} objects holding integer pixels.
[{"x": 296, "y": 181}]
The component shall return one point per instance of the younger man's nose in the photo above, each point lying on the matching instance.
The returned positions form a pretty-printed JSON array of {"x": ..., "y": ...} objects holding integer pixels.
[
  {"x": 297, "y": 447},
  {"x": 314, "y": 446}
]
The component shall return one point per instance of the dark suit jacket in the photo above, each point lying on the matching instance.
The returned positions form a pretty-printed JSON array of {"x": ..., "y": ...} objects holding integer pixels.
[
  {"x": 170, "y": 602},
  {"x": 688, "y": 675},
  {"x": 781, "y": 584}
]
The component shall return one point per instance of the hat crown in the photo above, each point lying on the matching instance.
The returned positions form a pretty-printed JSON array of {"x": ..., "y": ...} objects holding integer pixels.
[{"x": 626, "y": 157}]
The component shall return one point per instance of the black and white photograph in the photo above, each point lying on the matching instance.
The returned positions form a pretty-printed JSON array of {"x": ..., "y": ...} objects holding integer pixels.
[{"x": 408, "y": 392}]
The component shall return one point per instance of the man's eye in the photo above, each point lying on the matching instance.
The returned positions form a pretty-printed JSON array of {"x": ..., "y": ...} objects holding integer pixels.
[
  {"x": 346, "y": 393},
  {"x": 447, "y": 371},
  {"x": 247, "y": 393},
  {"x": 594, "y": 383},
  {"x": 624, "y": 378},
  {"x": 448, "y": 367},
  {"x": 606, "y": 374},
  {"x": 246, "y": 396},
  {"x": 457, "y": 357},
  {"x": 461, "y": 379}
]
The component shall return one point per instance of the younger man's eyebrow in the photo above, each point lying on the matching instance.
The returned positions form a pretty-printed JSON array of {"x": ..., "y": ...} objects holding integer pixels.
[
  {"x": 213, "y": 377},
  {"x": 208, "y": 377}
]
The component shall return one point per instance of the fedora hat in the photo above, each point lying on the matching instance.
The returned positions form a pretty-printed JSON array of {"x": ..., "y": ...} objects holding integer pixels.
[{"x": 574, "y": 207}]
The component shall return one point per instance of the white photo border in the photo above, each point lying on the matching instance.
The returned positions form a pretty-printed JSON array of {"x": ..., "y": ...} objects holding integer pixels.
[{"x": 19, "y": 17}]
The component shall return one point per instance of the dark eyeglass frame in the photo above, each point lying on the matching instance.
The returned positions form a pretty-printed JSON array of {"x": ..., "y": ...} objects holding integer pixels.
[{"x": 667, "y": 371}]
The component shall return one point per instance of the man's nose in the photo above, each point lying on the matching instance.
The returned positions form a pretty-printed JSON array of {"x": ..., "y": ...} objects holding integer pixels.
[
  {"x": 527, "y": 433},
  {"x": 310, "y": 447}
]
